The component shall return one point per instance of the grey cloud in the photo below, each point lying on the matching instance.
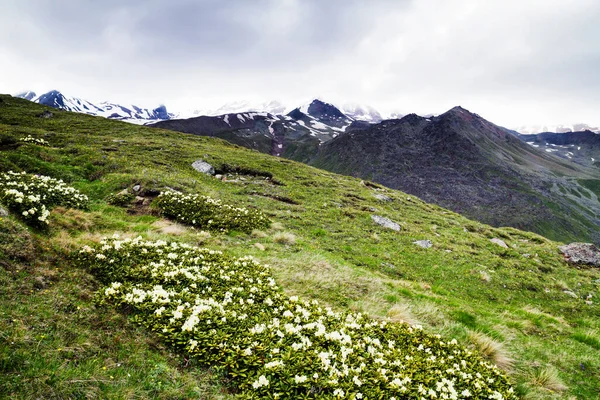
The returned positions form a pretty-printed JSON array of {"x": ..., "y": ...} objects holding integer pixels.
[{"x": 406, "y": 55}]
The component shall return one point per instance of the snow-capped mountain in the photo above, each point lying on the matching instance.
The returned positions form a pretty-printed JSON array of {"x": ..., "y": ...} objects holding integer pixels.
[
  {"x": 361, "y": 112},
  {"x": 535, "y": 129},
  {"x": 274, "y": 107},
  {"x": 28, "y": 95},
  {"x": 128, "y": 113},
  {"x": 315, "y": 122},
  {"x": 319, "y": 113}
]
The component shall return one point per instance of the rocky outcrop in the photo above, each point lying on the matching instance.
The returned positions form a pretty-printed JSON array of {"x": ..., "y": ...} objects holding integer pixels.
[
  {"x": 203, "y": 167},
  {"x": 423, "y": 243},
  {"x": 581, "y": 253},
  {"x": 386, "y": 222},
  {"x": 499, "y": 242}
]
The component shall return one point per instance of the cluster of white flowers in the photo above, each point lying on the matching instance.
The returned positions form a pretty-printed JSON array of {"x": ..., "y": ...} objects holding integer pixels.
[
  {"x": 38, "y": 141},
  {"x": 231, "y": 312},
  {"x": 208, "y": 213},
  {"x": 32, "y": 196}
]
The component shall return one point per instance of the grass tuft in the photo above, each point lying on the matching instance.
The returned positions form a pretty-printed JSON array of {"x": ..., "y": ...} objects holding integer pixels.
[
  {"x": 491, "y": 350},
  {"x": 258, "y": 234},
  {"x": 286, "y": 238},
  {"x": 402, "y": 313},
  {"x": 590, "y": 338},
  {"x": 547, "y": 378}
]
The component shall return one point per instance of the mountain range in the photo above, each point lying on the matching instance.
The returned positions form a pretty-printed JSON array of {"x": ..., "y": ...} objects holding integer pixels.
[
  {"x": 546, "y": 183},
  {"x": 129, "y": 113},
  {"x": 457, "y": 160},
  {"x": 351, "y": 245},
  {"x": 140, "y": 115}
]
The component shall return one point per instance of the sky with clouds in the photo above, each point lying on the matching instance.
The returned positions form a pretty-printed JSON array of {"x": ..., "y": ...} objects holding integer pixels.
[{"x": 514, "y": 62}]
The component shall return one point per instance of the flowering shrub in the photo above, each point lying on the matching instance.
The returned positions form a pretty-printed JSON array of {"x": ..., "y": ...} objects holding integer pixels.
[
  {"x": 32, "y": 196},
  {"x": 208, "y": 213},
  {"x": 230, "y": 313},
  {"x": 31, "y": 139}
]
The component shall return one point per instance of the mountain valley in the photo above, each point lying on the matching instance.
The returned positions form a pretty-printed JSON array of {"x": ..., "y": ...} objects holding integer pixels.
[{"x": 508, "y": 296}]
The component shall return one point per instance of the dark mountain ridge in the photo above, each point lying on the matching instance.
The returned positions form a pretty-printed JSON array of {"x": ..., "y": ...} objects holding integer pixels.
[
  {"x": 581, "y": 147},
  {"x": 457, "y": 160},
  {"x": 463, "y": 162}
]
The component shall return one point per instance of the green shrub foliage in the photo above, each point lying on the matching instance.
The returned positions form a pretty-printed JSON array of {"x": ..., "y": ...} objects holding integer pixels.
[
  {"x": 32, "y": 196},
  {"x": 207, "y": 213},
  {"x": 230, "y": 313}
]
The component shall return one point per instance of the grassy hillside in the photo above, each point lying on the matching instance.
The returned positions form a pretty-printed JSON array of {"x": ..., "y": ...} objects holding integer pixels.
[{"x": 521, "y": 307}]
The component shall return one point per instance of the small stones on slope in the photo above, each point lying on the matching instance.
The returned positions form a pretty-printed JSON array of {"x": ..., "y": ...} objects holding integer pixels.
[
  {"x": 423, "y": 243},
  {"x": 382, "y": 197},
  {"x": 386, "y": 222},
  {"x": 499, "y": 242}
]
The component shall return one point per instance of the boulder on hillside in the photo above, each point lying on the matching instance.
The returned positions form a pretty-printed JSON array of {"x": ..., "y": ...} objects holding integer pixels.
[
  {"x": 499, "y": 242},
  {"x": 45, "y": 114},
  {"x": 382, "y": 197},
  {"x": 581, "y": 253},
  {"x": 203, "y": 167},
  {"x": 423, "y": 243},
  {"x": 385, "y": 222}
]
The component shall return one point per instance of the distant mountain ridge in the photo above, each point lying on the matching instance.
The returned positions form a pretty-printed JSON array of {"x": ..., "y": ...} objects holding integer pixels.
[
  {"x": 581, "y": 147},
  {"x": 457, "y": 160},
  {"x": 463, "y": 162},
  {"x": 128, "y": 113},
  {"x": 140, "y": 115},
  {"x": 296, "y": 135},
  {"x": 535, "y": 129}
]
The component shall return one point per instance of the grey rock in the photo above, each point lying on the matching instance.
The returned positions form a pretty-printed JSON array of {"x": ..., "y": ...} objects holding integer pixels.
[
  {"x": 581, "y": 253},
  {"x": 219, "y": 176},
  {"x": 123, "y": 192},
  {"x": 136, "y": 188},
  {"x": 46, "y": 114},
  {"x": 499, "y": 242},
  {"x": 203, "y": 167},
  {"x": 382, "y": 197},
  {"x": 139, "y": 200},
  {"x": 3, "y": 212},
  {"x": 423, "y": 243},
  {"x": 385, "y": 222}
]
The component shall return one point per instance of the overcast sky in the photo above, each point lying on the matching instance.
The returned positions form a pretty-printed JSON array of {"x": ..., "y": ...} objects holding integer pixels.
[{"x": 514, "y": 62}]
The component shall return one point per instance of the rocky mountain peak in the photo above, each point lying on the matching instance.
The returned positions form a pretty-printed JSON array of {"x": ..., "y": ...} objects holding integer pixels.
[
  {"x": 53, "y": 98},
  {"x": 27, "y": 95},
  {"x": 319, "y": 109}
]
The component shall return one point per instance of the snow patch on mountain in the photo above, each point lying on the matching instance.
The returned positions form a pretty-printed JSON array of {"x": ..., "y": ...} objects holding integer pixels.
[{"x": 361, "y": 112}]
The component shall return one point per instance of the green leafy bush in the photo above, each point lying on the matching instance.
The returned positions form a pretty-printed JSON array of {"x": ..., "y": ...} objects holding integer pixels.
[
  {"x": 207, "y": 213},
  {"x": 230, "y": 313},
  {"x": 32, "y": 196},
  {"x": 120, "y": 199}
]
